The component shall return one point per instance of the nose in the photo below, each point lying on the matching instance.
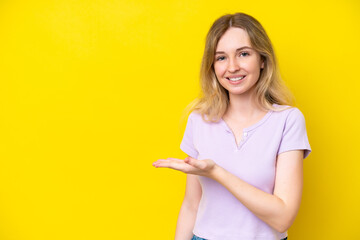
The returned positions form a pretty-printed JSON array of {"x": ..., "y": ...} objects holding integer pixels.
[{"x": 233, "y": 65}]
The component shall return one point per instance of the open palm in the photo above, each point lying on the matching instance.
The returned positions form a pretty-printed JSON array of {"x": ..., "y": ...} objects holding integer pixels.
[{"x": 189, "y": 165}]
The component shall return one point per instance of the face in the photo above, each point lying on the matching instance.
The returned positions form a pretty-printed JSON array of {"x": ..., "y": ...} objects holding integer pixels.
[{"x": 237, "y": 66}]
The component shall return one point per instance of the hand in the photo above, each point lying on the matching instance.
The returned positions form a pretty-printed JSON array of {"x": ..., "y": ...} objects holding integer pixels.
[{"x": 189, "y": 165}]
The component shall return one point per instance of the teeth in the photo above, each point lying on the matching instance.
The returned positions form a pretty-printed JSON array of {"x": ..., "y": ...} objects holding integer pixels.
[{"x": 236, "y": 79}]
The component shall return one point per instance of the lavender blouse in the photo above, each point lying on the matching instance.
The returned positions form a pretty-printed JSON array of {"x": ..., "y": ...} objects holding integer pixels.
[{"x": 220, "y": 215}]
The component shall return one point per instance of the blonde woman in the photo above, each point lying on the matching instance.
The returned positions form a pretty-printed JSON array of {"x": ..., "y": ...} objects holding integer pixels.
[{"x": 244, "y": 141}]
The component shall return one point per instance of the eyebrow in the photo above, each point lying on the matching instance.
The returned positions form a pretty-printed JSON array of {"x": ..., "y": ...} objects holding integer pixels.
[{"x": 245, "y": 47}]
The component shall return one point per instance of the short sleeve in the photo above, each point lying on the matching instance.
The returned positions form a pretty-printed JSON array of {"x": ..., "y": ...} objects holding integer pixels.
[
  {"x": 294, "y": 134},
  {"x": 187, "y": 143}
]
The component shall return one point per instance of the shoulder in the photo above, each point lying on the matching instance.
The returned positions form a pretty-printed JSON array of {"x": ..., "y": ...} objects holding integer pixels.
[
  {"x": 290, "y": 120},
  {"x": 288, "y": 112},
  {"x": 193, "y": 119},
  {"x": 197, "y": 119},
  {"x": 195, "y": 116}
]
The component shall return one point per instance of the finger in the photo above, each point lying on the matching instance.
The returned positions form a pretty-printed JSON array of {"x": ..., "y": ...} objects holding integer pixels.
[
  {"x": 176, "y": 165},
  {"x": 196, "y": 163},
  {"x": 171, "y": 159},
  {"x": 175, "y": 159},
  {"x": 188, "y": 159},
  {"x": 168, "y": 160}
]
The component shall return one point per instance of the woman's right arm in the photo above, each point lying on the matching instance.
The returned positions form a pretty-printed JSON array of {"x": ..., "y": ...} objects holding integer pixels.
[{"x": 188, "y": 210}]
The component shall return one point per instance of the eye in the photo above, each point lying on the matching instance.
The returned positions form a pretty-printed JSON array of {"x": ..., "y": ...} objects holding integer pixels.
[
  {"x": 244, "y": 54},
  {"x": 221, "y": 58}
]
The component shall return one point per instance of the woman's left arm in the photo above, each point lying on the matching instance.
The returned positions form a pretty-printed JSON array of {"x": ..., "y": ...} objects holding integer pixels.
[{"x": 278, "y": 209}]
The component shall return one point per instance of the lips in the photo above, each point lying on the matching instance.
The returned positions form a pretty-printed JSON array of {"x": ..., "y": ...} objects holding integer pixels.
[{"x": 236, "y": 78}]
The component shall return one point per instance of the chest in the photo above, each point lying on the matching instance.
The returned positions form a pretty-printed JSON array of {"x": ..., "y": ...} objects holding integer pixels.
[
  {"x": 252, "y": 159},
  {"x": 238, "y": 127},
  {"x": 237, "y": 131}
]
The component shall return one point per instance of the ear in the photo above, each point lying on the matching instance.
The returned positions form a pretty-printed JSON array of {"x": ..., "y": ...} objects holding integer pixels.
[{"x": 262, "y": 59}]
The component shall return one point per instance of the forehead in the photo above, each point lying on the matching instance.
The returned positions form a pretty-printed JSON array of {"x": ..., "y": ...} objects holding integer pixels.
[{"x": 233, "y": 38}]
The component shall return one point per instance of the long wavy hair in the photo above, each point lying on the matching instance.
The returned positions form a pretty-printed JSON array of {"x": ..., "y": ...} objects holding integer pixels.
[{"x": 269, "y": 89}]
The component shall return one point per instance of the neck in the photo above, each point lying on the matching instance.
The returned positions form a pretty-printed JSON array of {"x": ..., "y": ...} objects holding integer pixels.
[{"x": 243, "y": 106}]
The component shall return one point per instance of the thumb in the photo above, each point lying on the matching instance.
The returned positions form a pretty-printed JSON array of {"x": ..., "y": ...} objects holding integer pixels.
[
  {"x": 194, "y": 162},
  {"x": 188, "y": 159}
]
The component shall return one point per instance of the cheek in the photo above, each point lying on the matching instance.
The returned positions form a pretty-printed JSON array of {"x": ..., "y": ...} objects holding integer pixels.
[
  {"x": 219, "y": 70},
  {"x": 253, "y": 66}
]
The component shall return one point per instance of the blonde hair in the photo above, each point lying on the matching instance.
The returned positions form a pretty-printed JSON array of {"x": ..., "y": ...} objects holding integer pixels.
[{"x": 214, "y": 99}]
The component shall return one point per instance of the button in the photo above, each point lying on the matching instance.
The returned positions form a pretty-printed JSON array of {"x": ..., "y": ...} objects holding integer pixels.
[{"x": 245, "y": 134}]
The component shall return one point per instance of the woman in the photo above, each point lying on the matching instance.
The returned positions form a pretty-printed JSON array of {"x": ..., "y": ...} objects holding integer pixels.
[{"x": 245, "y": 144}]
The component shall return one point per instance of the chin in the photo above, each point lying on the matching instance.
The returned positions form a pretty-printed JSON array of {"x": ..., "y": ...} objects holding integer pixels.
[{"x": 241, "y": 91}]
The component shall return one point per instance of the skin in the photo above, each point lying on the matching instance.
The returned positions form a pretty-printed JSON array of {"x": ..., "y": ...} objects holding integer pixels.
[
  {"x": 278, "y": 209},
  {"x": 234, "y": 56}
]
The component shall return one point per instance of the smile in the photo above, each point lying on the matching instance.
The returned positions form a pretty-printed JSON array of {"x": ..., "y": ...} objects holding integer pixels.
[{"x": 236, "y": 79}]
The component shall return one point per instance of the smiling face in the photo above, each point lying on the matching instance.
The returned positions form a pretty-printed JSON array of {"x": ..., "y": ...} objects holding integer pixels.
[{"x": 237, "y": 66}]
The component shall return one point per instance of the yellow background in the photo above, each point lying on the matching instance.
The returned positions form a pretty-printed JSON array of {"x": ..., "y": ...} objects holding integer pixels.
[{"x": 92, "y": 93}]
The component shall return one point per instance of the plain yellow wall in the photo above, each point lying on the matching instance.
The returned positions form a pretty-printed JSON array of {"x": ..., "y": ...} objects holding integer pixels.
[{"x": 92, "y": 93}]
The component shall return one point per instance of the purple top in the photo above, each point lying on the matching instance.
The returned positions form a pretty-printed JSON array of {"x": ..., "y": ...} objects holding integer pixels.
[{"x": 220, "y": 215}]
